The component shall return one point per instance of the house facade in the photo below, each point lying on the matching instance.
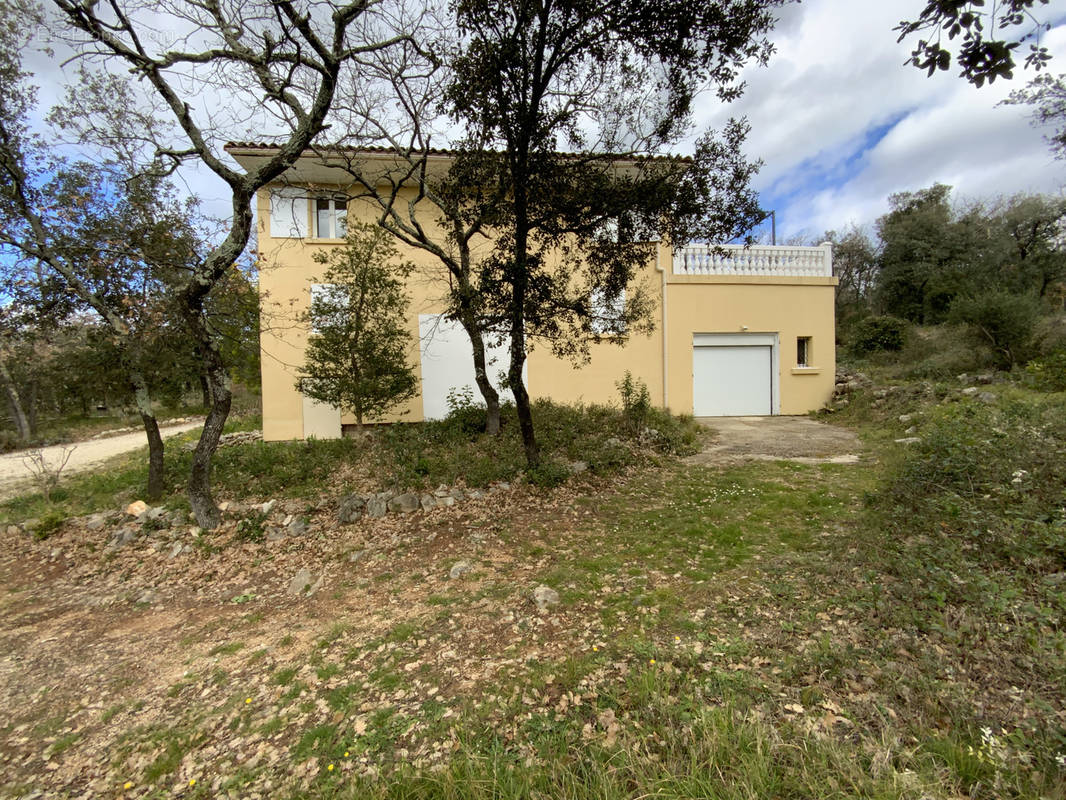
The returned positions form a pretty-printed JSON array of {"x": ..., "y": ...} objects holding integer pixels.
[{"x": 738, "y": 331}]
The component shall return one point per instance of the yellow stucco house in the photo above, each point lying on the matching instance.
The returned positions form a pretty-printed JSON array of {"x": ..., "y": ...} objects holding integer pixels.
[{"x": 744, "y": 331}]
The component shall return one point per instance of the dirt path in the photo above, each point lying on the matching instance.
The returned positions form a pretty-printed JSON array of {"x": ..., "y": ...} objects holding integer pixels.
[
  {"x": 779, "y": 438},
  {"x": 15, "y": 475}
]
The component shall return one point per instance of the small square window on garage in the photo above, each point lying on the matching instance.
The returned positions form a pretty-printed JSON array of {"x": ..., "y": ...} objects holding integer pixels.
[{"x": 804, "y": 354}]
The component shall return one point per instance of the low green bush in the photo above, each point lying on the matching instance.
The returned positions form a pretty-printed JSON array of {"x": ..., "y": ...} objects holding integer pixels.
[
  {"x": 878, "y": 334},
  {"x": 1047, "y": 374},
  {"x": 549, "y": 473},
  {"x": 636, "y": 402},
  {"x": 994, "y": 475},
  {"x": 1004, "y": 321}
]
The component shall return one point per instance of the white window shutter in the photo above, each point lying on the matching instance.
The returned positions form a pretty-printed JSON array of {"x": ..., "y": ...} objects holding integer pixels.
[{"x": 288, "y": 213}]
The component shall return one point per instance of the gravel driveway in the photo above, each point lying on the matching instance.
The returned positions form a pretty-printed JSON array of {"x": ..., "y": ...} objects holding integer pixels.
[
  {"x": 777, "y": 439},
  {"x": 15, "y": 476}
]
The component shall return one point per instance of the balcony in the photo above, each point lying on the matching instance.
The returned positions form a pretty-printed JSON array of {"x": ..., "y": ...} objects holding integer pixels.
[{"x": 756, "y": 260}]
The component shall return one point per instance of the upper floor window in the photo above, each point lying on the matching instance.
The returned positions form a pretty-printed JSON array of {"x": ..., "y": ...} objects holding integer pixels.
[
  {"x": 608, "y": 313},
  {"x": 331, "y": 217}
]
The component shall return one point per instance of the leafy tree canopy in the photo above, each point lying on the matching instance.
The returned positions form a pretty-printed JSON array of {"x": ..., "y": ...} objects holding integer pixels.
[
  {"x": 357, "y": 353},
  {"x": 990, "y": 37}
]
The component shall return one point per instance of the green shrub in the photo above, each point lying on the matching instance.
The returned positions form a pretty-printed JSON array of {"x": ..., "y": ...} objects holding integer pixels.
[
  {"x": 549, "y": 473},
  {"x": 464, "y": 412},
  {"x": 1004, "y": 321},
  {"x": 993, "y": 474},
  {"x": 9, "y": 441},
  {"x": 250, "y": 529},
  {"x": 636, "y": 402},
  {"x": 1048, "y": 374},
  {"x": 49, "y": 524},
  {"x": 878, "y": 334}
]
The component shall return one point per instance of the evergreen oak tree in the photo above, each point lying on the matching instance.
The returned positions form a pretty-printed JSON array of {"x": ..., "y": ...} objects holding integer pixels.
[{"x": 357, "y": 353}]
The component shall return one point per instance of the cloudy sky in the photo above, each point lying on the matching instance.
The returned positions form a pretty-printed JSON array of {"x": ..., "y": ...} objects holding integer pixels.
[{"x": 841, "y": 123}]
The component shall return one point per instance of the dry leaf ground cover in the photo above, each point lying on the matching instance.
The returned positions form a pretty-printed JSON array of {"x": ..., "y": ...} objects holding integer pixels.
[{"x": 757, "y": 630}]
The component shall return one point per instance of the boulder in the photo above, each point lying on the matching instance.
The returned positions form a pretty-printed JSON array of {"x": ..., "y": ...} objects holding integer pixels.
[
  {"x": 136, "y": 508},
  {"x": 446, "y": 501},
  {"x": 577, "y": 467},
  {"x": 268, "y": 506},
  {"x": 95, "y": 522},
  {"x": 123, "y": 536},
  {"x": 154, "y": 513},
  {"x": 302, "y": 584},
  {"x": 459, "y": 569},
  {"x": 296, "y": 528},
  {"x": 351, "y": 509},
  {"x": 545, "y": 597},
  {"x": 428, "y": 502},
  {"x": 986, "y": 397},
  {"x": 970, "y": 391},
  {"x": 405, "y": 503},
  {"x": 377, "y": 506},
  {"x": 908, "y": 440}
]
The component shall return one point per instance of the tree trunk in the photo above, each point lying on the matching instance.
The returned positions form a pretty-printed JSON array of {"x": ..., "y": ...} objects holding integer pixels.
[
  {"x": 22, "y": 424},
  {"x": 481, "y": 376},
  {"x": 525, "y": 413},
  {"x": 519, "y": 284},
  {"x": 205, "y": 391},
  {"x": 151, "y": 430},
  {"x": 200, "y": 500}
]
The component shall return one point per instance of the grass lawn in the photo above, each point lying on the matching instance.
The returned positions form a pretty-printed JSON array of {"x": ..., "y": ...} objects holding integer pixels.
[{"x": 767, "y": 630}]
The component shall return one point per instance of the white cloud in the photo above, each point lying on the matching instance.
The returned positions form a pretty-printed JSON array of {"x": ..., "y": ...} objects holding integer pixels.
[{"x": 837, "y": 80}]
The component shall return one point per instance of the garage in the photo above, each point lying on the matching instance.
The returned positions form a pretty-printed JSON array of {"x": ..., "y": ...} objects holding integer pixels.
[{"x": 734, "y": 375}]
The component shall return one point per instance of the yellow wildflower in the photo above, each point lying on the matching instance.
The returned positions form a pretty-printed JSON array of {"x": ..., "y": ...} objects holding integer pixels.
[
  {"x": 330, "y": 768},
  {"x": 127, "y": 785}
]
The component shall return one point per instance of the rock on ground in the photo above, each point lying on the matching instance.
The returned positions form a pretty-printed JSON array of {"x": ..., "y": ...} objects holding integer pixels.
[
  {"x": 459, "y": 569},
  {"x": 545, "y": 597}
]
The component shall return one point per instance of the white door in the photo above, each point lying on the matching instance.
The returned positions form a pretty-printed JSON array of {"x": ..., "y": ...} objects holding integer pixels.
[
  {"x": 732, "y": 380},
  {"x": 448, "y": 365}
]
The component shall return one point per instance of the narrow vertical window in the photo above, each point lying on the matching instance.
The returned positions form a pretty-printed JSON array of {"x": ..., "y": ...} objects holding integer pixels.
[
  {"x": 803, "y": 351},
  {"x": 331, "y": 217}
]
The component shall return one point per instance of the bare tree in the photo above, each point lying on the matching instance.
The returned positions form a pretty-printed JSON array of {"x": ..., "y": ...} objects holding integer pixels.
[
  {"x": 461, "y": 205},
  {"x": 217, "y": 71}
]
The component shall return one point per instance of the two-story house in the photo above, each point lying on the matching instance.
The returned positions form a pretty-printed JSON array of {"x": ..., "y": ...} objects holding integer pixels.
[{"x": 739, "y": 331}]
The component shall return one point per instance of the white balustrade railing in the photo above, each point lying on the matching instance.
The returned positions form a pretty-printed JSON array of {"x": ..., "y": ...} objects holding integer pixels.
[{"x": 770, "y": 260}]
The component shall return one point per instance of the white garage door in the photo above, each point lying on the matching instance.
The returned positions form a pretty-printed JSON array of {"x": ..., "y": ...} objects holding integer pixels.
[
  {"x": 732, "y": 378},
  {"x": 448, "y": 364}
]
